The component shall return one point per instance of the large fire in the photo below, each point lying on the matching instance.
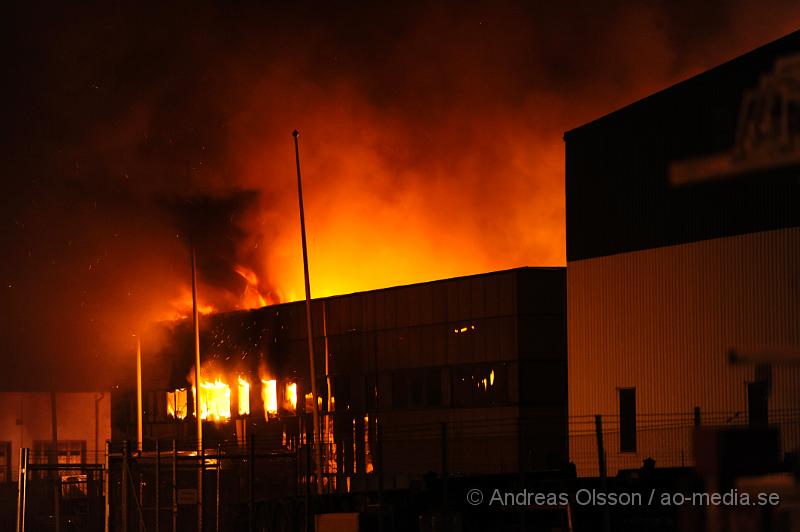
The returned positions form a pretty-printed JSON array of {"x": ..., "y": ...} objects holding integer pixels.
[
  {"x": 217, "y": 401},
  {"x": 408, "y": 177}
]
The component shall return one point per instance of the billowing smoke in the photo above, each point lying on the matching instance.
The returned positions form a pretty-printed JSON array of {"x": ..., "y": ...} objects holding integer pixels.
[{"x": 430, "y": 139}]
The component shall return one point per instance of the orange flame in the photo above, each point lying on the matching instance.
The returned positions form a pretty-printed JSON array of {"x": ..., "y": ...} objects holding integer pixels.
[
  {"x": 291, "y": 397},
  {"x": 309, "y": 405},
  {"x": 215, "y": 395},
  {"x": 177, "y": 403},
  {"x": 269, "y": 395},
  {"x": 244, "y": 396},
  {"x": 252, "y": 296},
  {"x": 180, "y": 308},
  {"x": 367, "y": 447},
  {"x": 215, "y": 400}
]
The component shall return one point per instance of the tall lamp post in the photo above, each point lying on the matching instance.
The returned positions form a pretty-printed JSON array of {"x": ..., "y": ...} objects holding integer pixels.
[
  {"x": 311, "y": 362},
  {"x": 138, "y": 393}
]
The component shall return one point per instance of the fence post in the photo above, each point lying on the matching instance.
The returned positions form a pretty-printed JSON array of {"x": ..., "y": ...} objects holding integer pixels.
[
  {"x": 124, "y": 488},
  {"x": 309, "y": 521},
  {"x": 22, "y": 487},
  {"x": 107, "y": 488},
  {"x": 140, "y": 499},
  {"x": 297, "y": 471},
  {"x": 601, "y": 462},
  {"x": 158, "y": 485},
  {"x": 697, "y": 417},
  {"x": 601, "y": 453},
  {"x": 445, "y": 475},
  {"x": 379, "y": 437},
  {"x": 341, "y": 484},
  {"x": 251, "y": 483},
  {"x": 201, "y": 484},
  {"x": 174, "y": 485},
  {"x": 219, "y": 484}
]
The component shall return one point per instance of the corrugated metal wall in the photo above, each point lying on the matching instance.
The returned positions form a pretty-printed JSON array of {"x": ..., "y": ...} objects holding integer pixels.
[{"x": 663, "y": 321}]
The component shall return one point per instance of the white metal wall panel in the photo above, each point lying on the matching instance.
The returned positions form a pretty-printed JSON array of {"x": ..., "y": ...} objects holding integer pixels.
[{"x": 663, "y": 320}]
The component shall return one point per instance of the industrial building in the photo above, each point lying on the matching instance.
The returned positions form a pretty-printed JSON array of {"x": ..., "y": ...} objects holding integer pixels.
[
  {"x": 683, "y": 263},
  {"x": 79, "y": 421},
  {"x": 468, "y": 371}
]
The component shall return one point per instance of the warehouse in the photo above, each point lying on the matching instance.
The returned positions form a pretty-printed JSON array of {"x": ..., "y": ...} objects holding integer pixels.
[
  {"x": 471, "y": 371},
  {"x": 683, "y": 249}
]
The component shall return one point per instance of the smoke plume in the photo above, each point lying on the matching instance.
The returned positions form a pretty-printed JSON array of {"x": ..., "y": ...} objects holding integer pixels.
[{"x": 430, "y": 142}]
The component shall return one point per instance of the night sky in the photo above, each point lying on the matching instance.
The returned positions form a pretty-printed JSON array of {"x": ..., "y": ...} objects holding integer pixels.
[{"x": 430, "y": 138}]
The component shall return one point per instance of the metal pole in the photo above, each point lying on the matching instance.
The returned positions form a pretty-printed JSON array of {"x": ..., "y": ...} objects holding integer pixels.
[
  {"x": 124, "y": 488},
  {"x": 309, "y": 521},
  {"x": 219, "y": 472},
  {"x": 327, "y": 357},
  {"x": 379, "y": 437},
  {"x": 251, "y": 484},
  {"x": 196, "y": 323},
  {"x": 296, "y": 470},
  {"x": 97, "y": 425},
  {"x": 328, "y": 419},
  {"x": 138, "y": 393},
  {"x": 53, "y": 459},
  {"x": 22, "y": 487},
  {"x": 174, "y": 486},
  {"x": 158, "y": 485},
  {"x": 445, "y": 474},
  {"x": 107, "y": 487},
  {"x": 311, "y": 362},
  {"x": 140, "y": 501},
  {"x": 601, "y": 462},
  {"x": 201, "y": 491},
  {"x": 601, "y": 454}
]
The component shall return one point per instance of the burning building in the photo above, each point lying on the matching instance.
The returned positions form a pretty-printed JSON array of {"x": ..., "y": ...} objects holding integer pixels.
[
  {"x": 470, "y": 371},
  {"x": 683, "y": 247}
]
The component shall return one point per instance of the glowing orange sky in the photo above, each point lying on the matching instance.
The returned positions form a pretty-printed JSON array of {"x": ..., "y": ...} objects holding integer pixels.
[{"x": 430, "y": 143}]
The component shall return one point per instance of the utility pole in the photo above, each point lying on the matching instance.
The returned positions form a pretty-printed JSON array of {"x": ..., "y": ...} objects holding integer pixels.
[{"x": 311, "y": 363}]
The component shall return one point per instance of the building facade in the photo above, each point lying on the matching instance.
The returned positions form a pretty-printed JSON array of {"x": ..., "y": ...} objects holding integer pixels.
[
  {"x": 83, "y": 425},
  {"x": 470, "y": 370},
  {"x": 683, "y": 248}
]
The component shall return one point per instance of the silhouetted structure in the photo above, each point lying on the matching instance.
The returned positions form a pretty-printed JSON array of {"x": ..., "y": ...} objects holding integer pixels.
[
  {"x": 478, "y": 362},
  {"x": 683, "y": 244}
]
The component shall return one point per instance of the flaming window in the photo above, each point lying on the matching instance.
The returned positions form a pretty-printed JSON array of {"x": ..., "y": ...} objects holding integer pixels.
[
  {"x": 367, "y": 447},
  {"x": 269, "y": 395},
  {"x": 177, "y": 406},
  {"x": 291, "y": 397},
  {"x": 309, "y": 402},
  {"x": 244, "y": 396},
  {"x": 215, "y": 400}
]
